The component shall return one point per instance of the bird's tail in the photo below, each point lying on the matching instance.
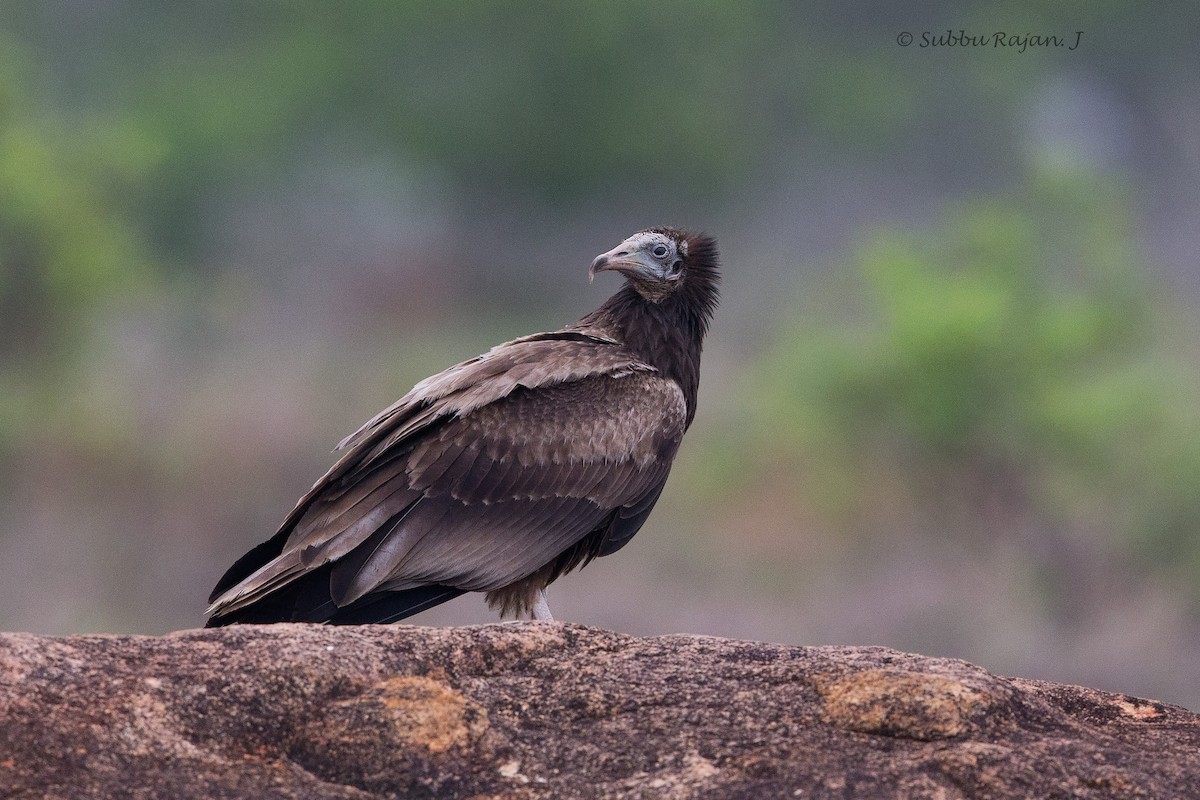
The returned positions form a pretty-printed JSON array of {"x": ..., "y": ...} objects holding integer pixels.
[{"x": 307, "y": 599}]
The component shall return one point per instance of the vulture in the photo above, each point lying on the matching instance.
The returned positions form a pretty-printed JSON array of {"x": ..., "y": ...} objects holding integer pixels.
[{"x": 503, "y": 472}]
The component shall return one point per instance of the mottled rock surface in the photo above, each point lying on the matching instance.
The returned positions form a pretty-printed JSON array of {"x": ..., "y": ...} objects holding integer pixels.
[{"x": 536, "y": 710}]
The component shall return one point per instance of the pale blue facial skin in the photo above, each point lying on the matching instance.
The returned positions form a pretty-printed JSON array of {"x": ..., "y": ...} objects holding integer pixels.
[{"x": 646, "y": 255}]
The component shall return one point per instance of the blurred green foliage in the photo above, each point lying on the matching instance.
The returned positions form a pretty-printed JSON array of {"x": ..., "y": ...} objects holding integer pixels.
[
  {"x": 542, "y": 99},
  {"x": 545, "y": 100},
  {"x": 66, "y": 242},
  {"x": 553, "y": 101},
  {"x": 68, "y": 248},
  {"x": 1010, "y": 358}
]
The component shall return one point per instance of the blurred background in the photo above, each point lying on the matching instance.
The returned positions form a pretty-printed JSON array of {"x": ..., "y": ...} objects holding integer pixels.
[{"x": 949, "y": 402}]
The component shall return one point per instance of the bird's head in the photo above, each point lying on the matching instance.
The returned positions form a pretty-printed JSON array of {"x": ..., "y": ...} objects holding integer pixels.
[{"x": 660, "y": 261}]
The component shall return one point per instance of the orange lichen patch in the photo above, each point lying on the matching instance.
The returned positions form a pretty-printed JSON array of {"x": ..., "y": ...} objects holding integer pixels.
[
  {"x": 906, "y": 704},
  {"x": 1137, "y": 709},
  {"x": 429, "y": 713}
]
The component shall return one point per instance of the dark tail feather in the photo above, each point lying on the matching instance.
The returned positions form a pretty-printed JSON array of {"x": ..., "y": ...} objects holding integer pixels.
[
  {"x": 393, "y": 606},
  {"x": 307, "y": 599},
  {"x": 249, "y": 563}
]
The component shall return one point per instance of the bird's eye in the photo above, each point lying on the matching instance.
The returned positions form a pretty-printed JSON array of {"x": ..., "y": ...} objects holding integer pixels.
[{"x": 660, "y": 251}]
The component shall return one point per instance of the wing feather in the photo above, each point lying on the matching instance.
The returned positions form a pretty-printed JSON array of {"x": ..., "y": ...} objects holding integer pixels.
[
  {"x": 475, "y": 563},
  {"x": 470, "y": 484},
  {"x": 323, "y": 521},
  {"x": 558, "y": 357},
  {"x": 484, "y": 473},
  {"x": 352, "y": 578}
]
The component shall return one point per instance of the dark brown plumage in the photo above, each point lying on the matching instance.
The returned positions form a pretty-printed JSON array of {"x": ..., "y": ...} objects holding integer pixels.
[{"x": 505, "y": 471}]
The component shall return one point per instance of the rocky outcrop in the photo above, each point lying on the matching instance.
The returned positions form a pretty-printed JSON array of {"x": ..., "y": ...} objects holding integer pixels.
[{"x": 533, "y": 710}]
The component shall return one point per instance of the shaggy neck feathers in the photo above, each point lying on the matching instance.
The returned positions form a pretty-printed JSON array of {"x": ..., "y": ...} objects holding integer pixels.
[{"x": 668, "y": 334}]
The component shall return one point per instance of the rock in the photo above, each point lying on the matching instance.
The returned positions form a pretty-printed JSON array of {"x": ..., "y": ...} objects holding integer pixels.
[{"x": 535, "y": 710}]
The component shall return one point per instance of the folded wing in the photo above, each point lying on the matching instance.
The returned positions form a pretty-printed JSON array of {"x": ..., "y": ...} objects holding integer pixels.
[{"x": 481, "y": 475}]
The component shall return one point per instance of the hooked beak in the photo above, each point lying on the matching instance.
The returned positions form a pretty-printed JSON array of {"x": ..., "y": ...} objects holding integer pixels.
[{"x": 626, "y": 259}]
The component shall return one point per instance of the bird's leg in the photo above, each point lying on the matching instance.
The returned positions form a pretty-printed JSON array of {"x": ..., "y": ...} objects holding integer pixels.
[{"x": 541, "y": 609}]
